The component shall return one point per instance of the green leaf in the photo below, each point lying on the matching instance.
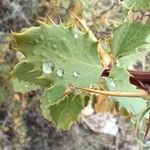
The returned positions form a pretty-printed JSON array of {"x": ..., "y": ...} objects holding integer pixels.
[
  {"x": 53, "y": 95},
  {"x": 119, "y": 81},
  {"x": 129, "y": 60},
  {"x": 129, "y": 36},
  {"x": 65, "y": 113},
  {"x": 138, "y": 5},
  {"x": 63, "y": 55}
]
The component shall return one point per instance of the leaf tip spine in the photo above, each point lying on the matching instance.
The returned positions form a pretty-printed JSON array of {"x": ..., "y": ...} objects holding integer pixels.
[
  {"x": 51, "y": 20},
  {"x": 41, "y": 22}
]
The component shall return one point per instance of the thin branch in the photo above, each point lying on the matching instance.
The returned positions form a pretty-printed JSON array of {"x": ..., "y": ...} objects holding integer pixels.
[{"x": 142, "y": 94}]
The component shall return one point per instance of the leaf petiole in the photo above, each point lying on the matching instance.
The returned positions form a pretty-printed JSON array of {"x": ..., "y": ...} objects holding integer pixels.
[{"x": 142, "y": 93}]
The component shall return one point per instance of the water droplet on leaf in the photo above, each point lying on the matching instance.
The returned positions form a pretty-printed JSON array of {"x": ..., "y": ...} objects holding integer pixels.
[
  {"x": 118, "y": 64},
  {"x": 76, "y": 74},
  {"x": 76, "y": 36},
  {"x": 91, "y": 85},
  {"x": 60, "y": 72},
  {"x": 48, "y": 67},
  {"x": 113, "y": 84}
]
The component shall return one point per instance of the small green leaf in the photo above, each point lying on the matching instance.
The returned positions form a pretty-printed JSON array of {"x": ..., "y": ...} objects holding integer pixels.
[
  {"x": 138, "y": 5},
  {"x": 53, "y": 95},
  {"x": 129, "y": 36},
  {"x": 66, "y": 112},
  {"x": 119, "y": 81}
]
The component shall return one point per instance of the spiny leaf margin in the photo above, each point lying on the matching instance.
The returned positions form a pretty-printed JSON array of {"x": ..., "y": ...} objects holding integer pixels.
[
  {"x": 67, "y": 48},
  {"x": 66, "y": 112}
]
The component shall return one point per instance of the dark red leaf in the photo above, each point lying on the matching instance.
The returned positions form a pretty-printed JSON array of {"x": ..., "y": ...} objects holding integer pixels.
[{"x": 140, "y": 79}]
